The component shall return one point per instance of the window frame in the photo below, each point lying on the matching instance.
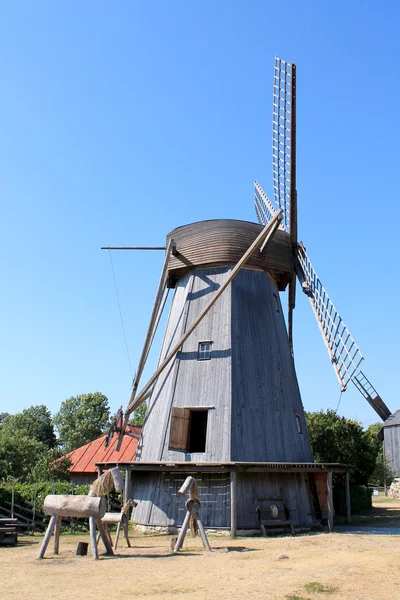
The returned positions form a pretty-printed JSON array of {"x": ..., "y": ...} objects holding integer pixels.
[{"x": 199, "y": 351}]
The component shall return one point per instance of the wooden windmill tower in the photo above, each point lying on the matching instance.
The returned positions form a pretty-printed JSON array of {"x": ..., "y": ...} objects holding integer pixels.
[{"x": 224, "y": 403}]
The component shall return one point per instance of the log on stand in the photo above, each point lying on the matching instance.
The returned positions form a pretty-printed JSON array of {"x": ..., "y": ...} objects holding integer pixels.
[{"x": 90, "y": 507}]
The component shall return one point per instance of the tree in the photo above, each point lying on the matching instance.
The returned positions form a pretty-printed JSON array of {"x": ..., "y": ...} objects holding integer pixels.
[
  {"x": 82, "y": 419},
  {"x": 139, "y": 415},
  {"x": 34, "y": 422},
  {"x": 337, "y": 439},
  {"x": 382, "y": 473},
  {"x": 18, "y": 454}
]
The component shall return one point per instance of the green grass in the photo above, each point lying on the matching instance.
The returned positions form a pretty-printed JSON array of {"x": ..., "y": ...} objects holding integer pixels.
[
  {"x": 319, "y": 588},
  {"x": 294, "y": 597}
]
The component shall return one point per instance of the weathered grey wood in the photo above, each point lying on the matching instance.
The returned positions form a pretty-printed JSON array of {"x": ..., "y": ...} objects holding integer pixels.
[
  {"x": 182, "y": 533},
  {"x": 128, "y": 485},
  {"x": 189, "y": 481},
  {"x": 266, "y": 234},
  {"x": 47, "y": 536},
  {"x": 117, "y": 479},
  {"x": 224, "y": 241},
  {"x": 57, "y": 528},
  {"x": 105, "y": 536},
  {"x": 203, "y": 535},
  {"x": 93, "y": 540},
  {"x": 330, "y": 499},
  {"x": 117, "y": 535},
  {"x": 348, "y": 502},
  {"x": 126, "y": 531},
  {"x": 233, "y": 504},
  {"x": 74, "y": 506}
]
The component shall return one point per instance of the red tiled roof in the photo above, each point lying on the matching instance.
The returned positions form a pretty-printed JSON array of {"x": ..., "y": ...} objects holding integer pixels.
[{"x": 83, "y": 458}]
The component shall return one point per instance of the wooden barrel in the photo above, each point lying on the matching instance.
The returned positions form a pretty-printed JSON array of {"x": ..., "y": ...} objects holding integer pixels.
[{"x": 74, "y": 506}]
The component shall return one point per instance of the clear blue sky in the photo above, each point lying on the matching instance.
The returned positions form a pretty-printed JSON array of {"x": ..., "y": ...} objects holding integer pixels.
[{"x": 120, "y": 121}]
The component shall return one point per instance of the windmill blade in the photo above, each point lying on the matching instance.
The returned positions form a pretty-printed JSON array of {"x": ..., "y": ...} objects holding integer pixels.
[
  {"x": 344, "y": 353},
  {"x": 371, "y": 395},
  {"x": 265, "y": 209},
  {"x": 284, "y": 140}
]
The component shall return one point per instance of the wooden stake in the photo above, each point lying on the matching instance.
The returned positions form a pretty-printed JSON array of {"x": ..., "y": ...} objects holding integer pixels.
[
  {"x": 93, "y": 541},
  {"x": 203, "y": 535},
  {"x": 57, "y": 535},
  {"x": 104, "y": 536},
  {"x": 182, "y": 533},
  {"x": 48, "y": 535}
]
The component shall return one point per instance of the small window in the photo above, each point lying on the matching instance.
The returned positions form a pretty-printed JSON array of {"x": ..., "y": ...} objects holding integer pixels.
[
  {"x": 188, "y": 431},
  {"x": 277, "y": 303},
  {"x": 298, "y": 423},
  {"x": 204, "y": 351}
]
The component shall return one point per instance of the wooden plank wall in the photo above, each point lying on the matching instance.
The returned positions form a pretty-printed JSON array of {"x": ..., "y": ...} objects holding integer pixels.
[
  {"x": 392, "y": 448},
  {"x": 265, "y": 392},
  {"x": 189, "y": 382},
  {"x": 159, "y": 504}
]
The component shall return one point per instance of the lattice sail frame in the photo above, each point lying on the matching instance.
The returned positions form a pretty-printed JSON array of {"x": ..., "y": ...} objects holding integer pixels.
[
  {"x": 265, "y": 210},
  {"x": 281, "y": 137},
  {"x": 344, "y": 353}
]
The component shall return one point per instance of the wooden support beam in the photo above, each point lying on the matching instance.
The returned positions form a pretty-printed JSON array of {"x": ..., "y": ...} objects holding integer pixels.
[
  {"x": 57, "y": 528},
  {"x": 187, "y": 484},
  {"x": 348, "y": 503},
  {"x": 128, "y": 485},
  {"x": 266, "y": 234},
  {"x": 93, "y": 540},
  {"x": 182, "y": 533},
  {"x": 47, "y": 536},
  {"x": 233, "y": 504},
  {"x": 329, "y": 496},
  {"x": 154, "y": 321}
]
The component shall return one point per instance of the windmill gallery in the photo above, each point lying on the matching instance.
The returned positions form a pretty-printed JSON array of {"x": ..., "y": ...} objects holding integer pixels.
[{"x": 224, "y": 404}]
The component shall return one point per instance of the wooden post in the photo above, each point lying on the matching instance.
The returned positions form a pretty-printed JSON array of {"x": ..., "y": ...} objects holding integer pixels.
[
  {"x": 203, "y": 536},
  {"x": 57, "y": 535},
  {"x": 182, "y": 532},
  {"x": 47, "y": 537},
  {"x": 128, "y": 485},
  {"x": 186, "y": 485},
  {"x": 93, "y": 541},
  {"x": 104, "y": 536},
  {"x": 233, "y": 504},
  {"x": 348, "y": 504},
  {"x": 329, "y": 495}
]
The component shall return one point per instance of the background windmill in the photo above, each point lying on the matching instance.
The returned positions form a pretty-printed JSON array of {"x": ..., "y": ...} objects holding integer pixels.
[{"x": 224, "y": 401}]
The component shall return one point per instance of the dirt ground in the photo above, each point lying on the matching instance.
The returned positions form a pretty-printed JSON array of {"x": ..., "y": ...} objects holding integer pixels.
[{"x": 336, "y": 565}]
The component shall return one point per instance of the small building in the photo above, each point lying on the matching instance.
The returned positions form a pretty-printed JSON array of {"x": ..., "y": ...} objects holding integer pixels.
[
  {"x": 83, "y": 469},
  {"x": 390, "y": 434}
]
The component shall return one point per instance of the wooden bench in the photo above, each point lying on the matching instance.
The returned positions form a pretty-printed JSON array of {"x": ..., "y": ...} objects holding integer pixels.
[
  {"x": 8, "y": 531},
  {"x": 273, "y": 513}
]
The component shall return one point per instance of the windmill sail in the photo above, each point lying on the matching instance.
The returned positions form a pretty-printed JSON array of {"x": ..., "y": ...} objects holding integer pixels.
[
  {"x": 265, "y": 210},
  {"x": 366, "y": 388},
  {"x": 344, "y": 353},
  {"x": 283, "y": 136}
]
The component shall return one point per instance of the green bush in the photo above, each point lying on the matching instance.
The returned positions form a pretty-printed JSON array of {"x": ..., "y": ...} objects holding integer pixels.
[
  {"x": 27, "y": 492},
  {"x": 360, "y": 499}
]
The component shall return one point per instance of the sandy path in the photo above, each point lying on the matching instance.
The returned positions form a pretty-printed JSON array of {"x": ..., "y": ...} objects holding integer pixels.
[{"x": 361, "y": 567}]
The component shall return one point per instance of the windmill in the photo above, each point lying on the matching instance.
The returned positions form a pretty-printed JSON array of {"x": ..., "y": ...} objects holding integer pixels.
[{"x": 224, "y": 401}]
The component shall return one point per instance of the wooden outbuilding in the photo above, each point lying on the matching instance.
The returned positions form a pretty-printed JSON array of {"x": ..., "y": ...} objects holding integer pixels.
[{"x": 390, "y": 435}]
